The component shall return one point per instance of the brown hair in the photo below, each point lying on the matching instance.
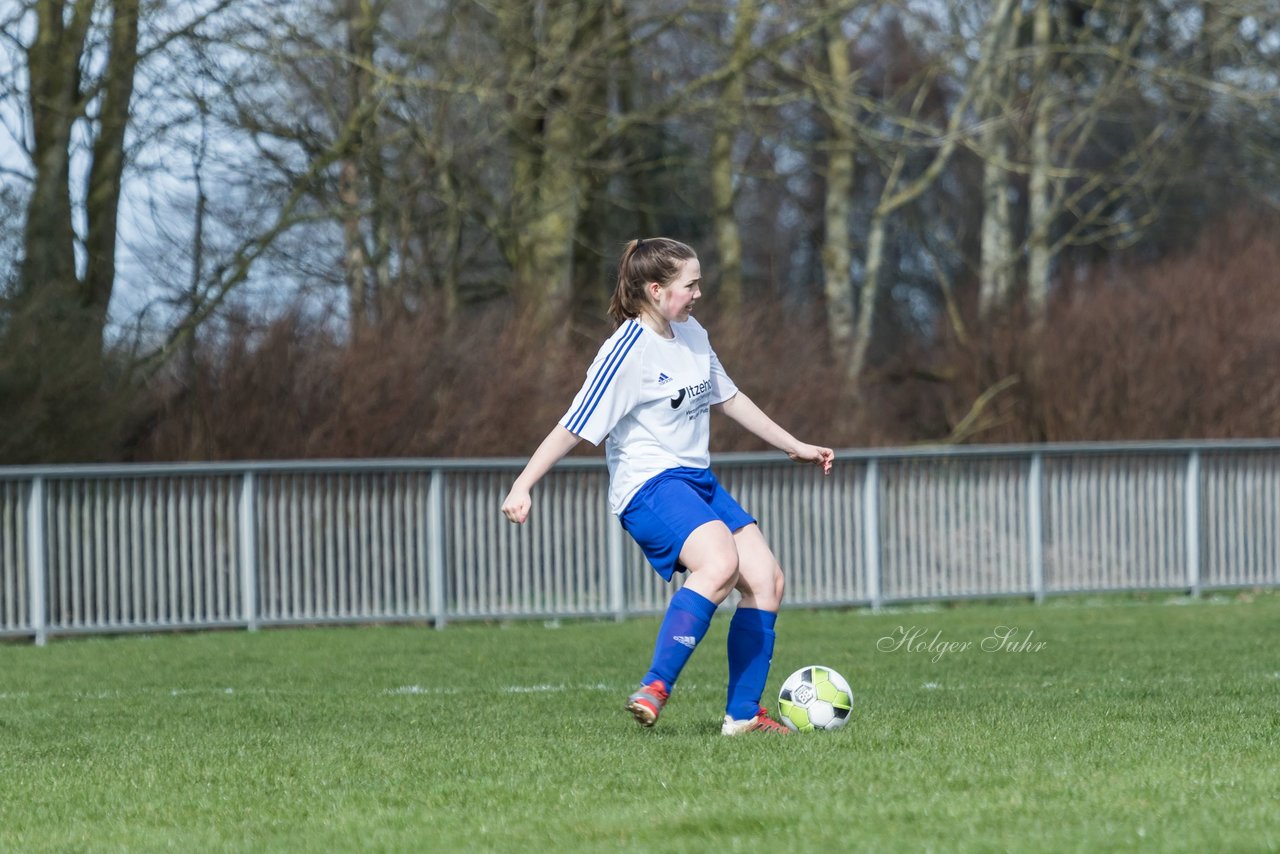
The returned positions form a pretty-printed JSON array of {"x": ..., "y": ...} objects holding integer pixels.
[{"x": 651, "y": 259}]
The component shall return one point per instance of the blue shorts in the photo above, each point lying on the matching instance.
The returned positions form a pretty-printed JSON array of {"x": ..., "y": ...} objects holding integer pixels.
[{"x": 667, "y": 509}]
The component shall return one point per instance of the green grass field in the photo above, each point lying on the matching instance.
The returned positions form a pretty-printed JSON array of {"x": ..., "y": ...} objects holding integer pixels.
[{"x": 1137, "y": 724}]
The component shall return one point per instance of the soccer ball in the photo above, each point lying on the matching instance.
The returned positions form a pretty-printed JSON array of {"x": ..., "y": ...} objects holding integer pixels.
[{"x": 815, "y": 697}]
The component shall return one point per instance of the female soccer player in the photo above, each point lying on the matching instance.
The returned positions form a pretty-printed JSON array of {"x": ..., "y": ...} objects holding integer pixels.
[{"x": 649, "y": 392}]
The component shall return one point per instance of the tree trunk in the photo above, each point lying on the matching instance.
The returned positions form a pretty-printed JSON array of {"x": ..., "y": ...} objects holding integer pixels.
[
  {"x": 545, "y": 271},
  {"x": 995, "y": 275},
  {"x": 52, "y": 366},
  {"x": 837, "y": 259},
  {"x": 387, "y": 294},
  {"x": 48, "y": 270},
  {"x": 996, "y": 271},
  {"x": 353, "y": 254},
  {"x": 106, "y": 171},
  {"x": 546, "y": 188},
  {"x": 453, "y": 226},
  {"x": 352, "y": 178},
  {"x": 1039, "y": 249},
  {"x": 868, "y": 298},
  {"x": 730, "y": 115},
  {"x": 53, "y": 64},
  {"x": 633, "y": 151},
  {"x": 892, "y": 198},
  {"x": 589, "y": 295}
]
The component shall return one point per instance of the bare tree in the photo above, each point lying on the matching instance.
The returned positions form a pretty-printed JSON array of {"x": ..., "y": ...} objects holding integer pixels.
[
  {"x": 549, "y": 50},
  {"x": 895, "y": 195},
  {"x": 81, "y": 59},
  {"x": 730, "y": 116},
  {"x": 359, "y": 165},
  {"x": 835, "y": 95},
  {"x": 59, "y": 101},
  {"x": 996, "y": 107}
]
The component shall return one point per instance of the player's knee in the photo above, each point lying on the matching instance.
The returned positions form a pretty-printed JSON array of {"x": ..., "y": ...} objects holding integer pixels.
[
  {"x": 723, "y": 570},
  {"x": 770, "y": 597}
]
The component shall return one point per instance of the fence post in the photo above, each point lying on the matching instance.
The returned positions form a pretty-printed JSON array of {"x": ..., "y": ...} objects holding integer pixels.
[
  {"x": 35, "y": 561},
  {"x": 871, "y": 531},
  {"x": 435, "y": 546},
  {"x": 1193, "y": 523},
  {"x": 1035, "y": 526},
  {"x": 249, "y": 551},
  {"x": 617, "y": 593}
]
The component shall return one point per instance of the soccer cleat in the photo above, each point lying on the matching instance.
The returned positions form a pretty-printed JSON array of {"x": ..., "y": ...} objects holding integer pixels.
[
  {"x": 760, "y": 723},
  {"x": 646, "y": 704}
]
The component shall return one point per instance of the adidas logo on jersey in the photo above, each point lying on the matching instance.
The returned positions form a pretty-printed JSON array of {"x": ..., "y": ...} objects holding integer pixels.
[
  {"x": 686, "y": 640},
  {"x": 663, "y": 379}
]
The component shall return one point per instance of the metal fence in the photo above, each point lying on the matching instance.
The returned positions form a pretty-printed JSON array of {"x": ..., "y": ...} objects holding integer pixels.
[{"x": 105, "y": 549}]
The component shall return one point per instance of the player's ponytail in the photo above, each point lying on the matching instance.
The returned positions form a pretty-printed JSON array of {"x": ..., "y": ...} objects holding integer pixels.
[{"x": 645, "y": 260}]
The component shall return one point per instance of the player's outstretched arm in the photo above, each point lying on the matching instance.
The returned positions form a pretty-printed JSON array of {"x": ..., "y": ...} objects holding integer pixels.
[
  {"x": 744, "y": 410},
  {"x": 553, "y": 448}
]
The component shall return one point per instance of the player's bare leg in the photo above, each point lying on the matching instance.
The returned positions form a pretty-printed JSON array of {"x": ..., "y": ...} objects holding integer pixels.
[
  {"x": 711, "y": 557},
  {"x": 751, "y": 635},
  {"x": 760, "y": 579}
]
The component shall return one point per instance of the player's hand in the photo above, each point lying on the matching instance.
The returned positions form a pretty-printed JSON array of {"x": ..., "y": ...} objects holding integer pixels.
[
  {"x": 516, "y": 505},
  {"x": 819, "y": 456}
]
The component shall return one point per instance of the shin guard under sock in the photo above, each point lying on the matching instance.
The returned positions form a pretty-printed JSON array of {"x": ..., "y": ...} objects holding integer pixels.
[
  {"x": 751, "y": 639},
  {"x": 688, "y": 617}
]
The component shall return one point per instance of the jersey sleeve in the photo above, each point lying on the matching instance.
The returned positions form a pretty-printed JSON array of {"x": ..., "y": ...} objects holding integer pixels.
[
  {"x": 722, "y": 387},
  {"x": 611, "y": 390}
]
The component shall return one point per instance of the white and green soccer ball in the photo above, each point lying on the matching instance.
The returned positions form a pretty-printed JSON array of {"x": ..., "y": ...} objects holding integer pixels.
[{"x": 815, "y": 697}]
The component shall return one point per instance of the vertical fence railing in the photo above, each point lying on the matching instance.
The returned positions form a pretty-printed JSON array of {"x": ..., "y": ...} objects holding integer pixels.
[
  {"x": 435, "y": 548},
  {"x": 35, "y": 560},
  {"x": 1191, "y": 524},
  {"x": 1240, "y": 508},
  {"x": 871, "y": 531},
  {"x": 15, "y": 599},
  {"x": 105, "y": 549},
  {"x": 248, "y": 519},
  {"x": 1035, "y": 526}
]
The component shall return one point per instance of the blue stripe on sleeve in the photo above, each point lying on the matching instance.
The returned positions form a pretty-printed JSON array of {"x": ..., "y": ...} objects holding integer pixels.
[{"x": 602, "y": 379}]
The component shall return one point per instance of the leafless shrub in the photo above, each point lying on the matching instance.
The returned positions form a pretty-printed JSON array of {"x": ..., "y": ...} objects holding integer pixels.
[{"x": 1183, "y": 348}]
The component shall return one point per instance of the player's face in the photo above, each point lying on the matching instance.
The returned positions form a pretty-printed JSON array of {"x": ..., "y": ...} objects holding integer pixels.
[{"x": 676, "y": 299}]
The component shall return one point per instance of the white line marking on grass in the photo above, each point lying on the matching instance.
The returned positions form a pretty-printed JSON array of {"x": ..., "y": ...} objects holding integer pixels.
[
  {"x": 545, "y": 689},
  {"x": 540, "y": 688},
  {"x": 183, "y": 692},
  {"x": 410, "y": 690},
  {"x": 96, "y": 695},
  {"x": 919, "y": 608}
]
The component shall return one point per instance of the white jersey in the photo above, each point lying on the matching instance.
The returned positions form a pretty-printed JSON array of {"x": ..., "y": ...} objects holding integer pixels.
[{"x": 651, "y": 396}]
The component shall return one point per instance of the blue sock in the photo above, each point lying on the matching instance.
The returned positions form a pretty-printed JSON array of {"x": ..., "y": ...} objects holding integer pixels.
[
  {"x": 688, "y": 617},
  {"x": 751, "y": 638}
]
